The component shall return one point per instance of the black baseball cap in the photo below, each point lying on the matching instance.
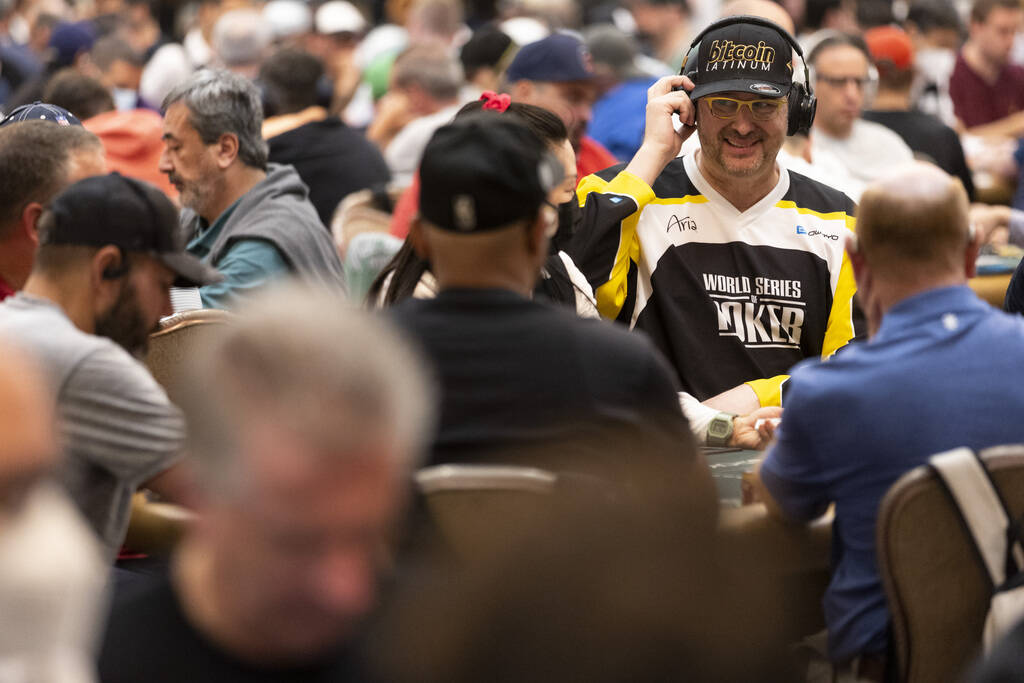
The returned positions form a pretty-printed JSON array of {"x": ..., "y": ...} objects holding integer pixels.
[
  {"x": 741, "y": 57},
  {"x": 483, "y": 172},
  {"x": 127, "y": 213},
  {"x": 41, "y": 111}
]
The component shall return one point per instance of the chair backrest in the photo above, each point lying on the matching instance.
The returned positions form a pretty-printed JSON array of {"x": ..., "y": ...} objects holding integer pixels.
[
  {"x": 358, "y": 213},
  {"x": 476, "y": 507},
  {"x": 175, "y": 341},
  {"x": 937, "y": 590}
]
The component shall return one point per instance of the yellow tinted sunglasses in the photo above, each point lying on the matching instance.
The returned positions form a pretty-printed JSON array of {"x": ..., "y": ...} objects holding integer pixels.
[{"x": 728, "y": 107}]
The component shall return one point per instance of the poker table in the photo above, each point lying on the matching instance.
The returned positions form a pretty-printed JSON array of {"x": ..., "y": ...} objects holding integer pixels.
[
  {"x": 792, "y": 559},
  {"x": 992, "y": 287},
  {"x": 728, "y": 466}
]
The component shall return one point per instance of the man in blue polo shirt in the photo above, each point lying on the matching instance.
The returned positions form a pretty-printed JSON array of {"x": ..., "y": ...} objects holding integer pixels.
[{"x": 941, "y": 369}]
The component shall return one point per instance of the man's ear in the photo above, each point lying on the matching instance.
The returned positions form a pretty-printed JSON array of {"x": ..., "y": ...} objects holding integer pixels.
[
  {"x": 854, "y": 254},
  {"x": 227, "y": 149},
  {"x": 521, "y": 90},
  {"x": 30, "y": 220},
  {"x": 971, "y": 253},
  {"x": 537, "y": 237},
  {"x": 106, "y": 260},
  {"x": 418, "y": 239}
]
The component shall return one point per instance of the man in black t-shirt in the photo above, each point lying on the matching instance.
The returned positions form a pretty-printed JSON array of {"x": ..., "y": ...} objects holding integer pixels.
[
  {"x": 520, "y": 381},
  {"x": 303, "y": 446}
]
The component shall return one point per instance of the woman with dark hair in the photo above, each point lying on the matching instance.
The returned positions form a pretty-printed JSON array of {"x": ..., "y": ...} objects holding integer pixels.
[{"x": 560, "y": 281}]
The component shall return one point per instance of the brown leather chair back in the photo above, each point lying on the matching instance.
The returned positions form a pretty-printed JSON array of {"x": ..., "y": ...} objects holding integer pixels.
[
  {"x": 476, "y": 507},
  {"x": 937, "y": 589},
  {"x": 177, "y": 337}
]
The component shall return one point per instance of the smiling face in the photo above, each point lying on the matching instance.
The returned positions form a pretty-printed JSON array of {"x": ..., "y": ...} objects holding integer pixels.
[{"x": 740, "y": 147}]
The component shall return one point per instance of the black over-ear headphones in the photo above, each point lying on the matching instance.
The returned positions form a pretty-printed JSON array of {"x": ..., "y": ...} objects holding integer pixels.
[{"x": 801, "y": 99}]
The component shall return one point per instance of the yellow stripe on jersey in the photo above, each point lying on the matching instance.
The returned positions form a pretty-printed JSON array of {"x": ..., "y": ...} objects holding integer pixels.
[
  {"x": 839, "y": 330},
  {"x": 612, "y": 294},
  {"x": 831, "y": 216},
  {"x": 769, "y": 391}
]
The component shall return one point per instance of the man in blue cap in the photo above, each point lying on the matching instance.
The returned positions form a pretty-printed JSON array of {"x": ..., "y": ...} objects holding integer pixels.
[{"x": 557, "y": 73}]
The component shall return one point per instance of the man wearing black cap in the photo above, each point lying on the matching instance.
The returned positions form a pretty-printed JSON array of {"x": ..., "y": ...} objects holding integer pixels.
[
  {"x": 109, "y": 251},
  {"x": 733, "y": 265},
  {"x": 520, "y": 381}
]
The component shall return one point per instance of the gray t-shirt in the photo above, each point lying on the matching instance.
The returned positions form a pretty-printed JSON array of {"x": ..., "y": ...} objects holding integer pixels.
[{"x": 117, "y": 426}]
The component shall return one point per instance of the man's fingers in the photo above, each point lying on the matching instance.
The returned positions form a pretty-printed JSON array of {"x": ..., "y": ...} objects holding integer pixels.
[{"x": 665, "y": 85}]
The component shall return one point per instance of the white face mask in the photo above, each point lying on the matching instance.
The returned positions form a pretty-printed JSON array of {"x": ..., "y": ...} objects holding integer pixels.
[
  {"x": 936, "y": 63},
  {"x": 52, "y": 592},
  {"x": 125, "y": 100}
]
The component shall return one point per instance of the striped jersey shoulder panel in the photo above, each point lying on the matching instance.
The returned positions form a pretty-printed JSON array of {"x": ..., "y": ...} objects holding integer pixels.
[
  {"x": 808, "y": 195},
  {"x": 674, "y": 184}
]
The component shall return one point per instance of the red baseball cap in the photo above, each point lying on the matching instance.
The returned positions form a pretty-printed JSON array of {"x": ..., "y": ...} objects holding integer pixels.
[{"x": 892, "y": 44}]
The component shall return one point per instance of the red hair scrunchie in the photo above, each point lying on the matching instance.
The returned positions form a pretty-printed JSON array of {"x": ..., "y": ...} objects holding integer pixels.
[{"x": 493, "y": 100}]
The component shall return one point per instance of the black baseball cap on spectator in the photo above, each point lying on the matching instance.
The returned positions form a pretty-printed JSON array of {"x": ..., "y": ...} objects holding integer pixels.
[
  {"x": 742, "y": 57},
  {"x": 41, "y": 111},
  {"x": 484, "y": 172},
  {"x": 127, "y": 213}
]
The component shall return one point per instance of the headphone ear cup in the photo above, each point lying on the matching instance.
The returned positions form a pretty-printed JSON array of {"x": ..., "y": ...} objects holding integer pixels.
[
  {"x": 802, "y": 106},
  {"x": 689, "y": 67}
]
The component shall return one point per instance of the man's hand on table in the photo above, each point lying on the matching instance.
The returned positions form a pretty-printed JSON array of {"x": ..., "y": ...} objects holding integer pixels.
[{"x": 755, "y": 430}]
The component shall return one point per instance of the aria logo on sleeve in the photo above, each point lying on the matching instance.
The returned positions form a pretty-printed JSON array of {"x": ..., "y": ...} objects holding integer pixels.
[{"x": 760, "y": 312}]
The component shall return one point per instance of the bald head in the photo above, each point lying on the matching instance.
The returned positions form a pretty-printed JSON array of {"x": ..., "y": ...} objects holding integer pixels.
[
  {"x": 766, "y": 9},
  {"x": 27, "y": 449},
  {"x": 914, "y": 222}
]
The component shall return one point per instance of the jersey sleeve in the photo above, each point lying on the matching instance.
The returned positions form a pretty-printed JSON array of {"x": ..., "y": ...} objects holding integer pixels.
[
  {"x": 607, "y": 245},
  {"x": 840, "y": 319}
]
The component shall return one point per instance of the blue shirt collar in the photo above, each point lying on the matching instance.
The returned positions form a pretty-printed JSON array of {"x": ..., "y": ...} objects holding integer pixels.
[{"x": 931, "y": 305}]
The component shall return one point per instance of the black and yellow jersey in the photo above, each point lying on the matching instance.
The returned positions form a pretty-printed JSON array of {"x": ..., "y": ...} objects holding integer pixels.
[{"x": 728, "y": 296}]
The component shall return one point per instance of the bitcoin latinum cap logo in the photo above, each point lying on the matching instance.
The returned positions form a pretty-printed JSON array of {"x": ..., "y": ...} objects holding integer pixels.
[{"x": 732, "y": 55}]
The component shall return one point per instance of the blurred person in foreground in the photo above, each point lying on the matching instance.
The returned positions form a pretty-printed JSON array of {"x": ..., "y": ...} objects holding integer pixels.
[
  {"x": 855, "y": 424},
  {"x": 38, "y": 159},
  {"x": 108, "y": 255},
  {"x": 251, "y": 220},
  {"x": 304, "y": 446},
  {"x": 52, "y": 570}
]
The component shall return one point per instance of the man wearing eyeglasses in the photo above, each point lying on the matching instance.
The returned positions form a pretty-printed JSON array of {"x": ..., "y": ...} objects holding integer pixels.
[
  {"x": 732, "y": 264},
  {"x": 854, "y": 151}
]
